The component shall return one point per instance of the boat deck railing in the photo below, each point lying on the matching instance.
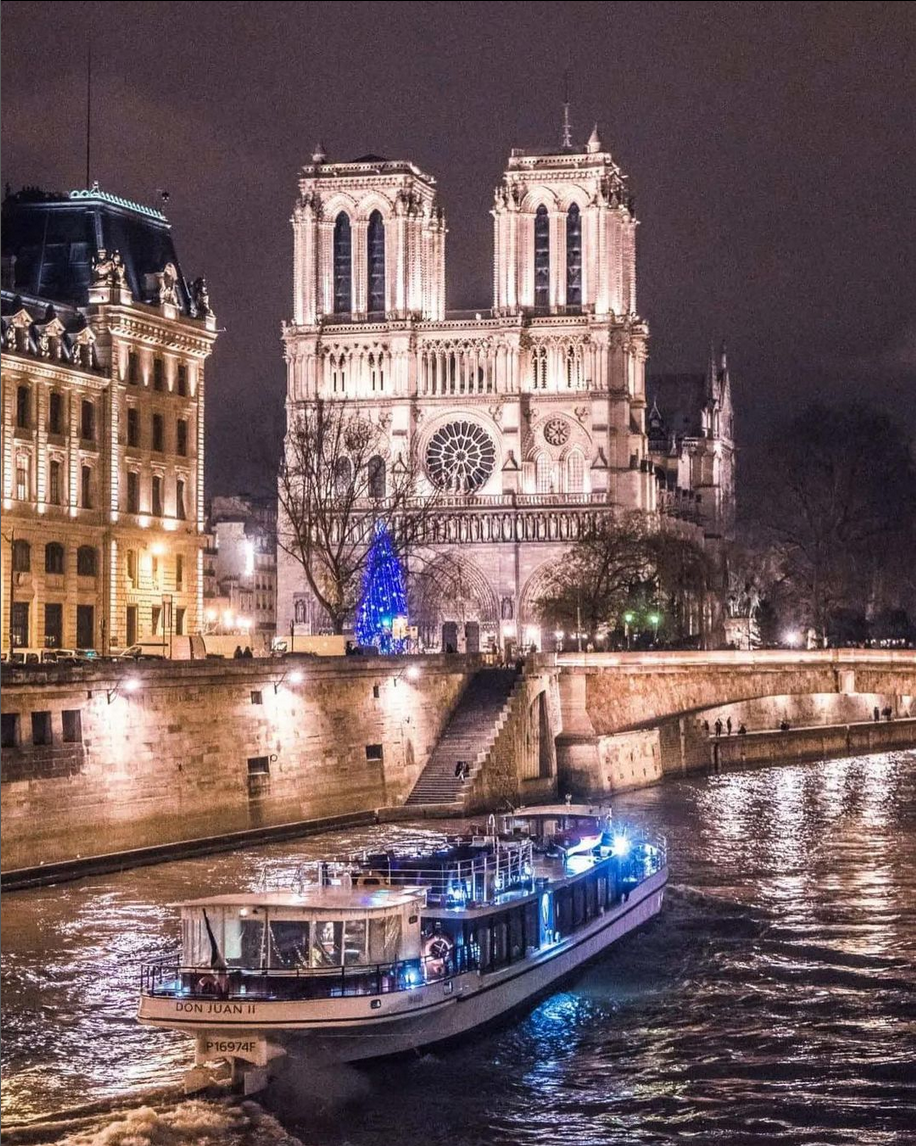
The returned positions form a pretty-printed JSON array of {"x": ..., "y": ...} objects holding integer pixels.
[
  {"x": 169, "y": 979},
  {"x": 476, "y": 879}
]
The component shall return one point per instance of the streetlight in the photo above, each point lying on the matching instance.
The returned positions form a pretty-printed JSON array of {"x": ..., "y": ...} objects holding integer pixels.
[
  {"x": 131, "y": 684},
  {"x": 628, "y": 619},
  {"x": 294, "y": 676},
  {"x": 654, "y": 619}
]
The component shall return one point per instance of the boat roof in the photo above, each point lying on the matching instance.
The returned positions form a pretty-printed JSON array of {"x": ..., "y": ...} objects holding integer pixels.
[
  {"x": 327, "y": 898},
  {"x": 564, "y": 809}
]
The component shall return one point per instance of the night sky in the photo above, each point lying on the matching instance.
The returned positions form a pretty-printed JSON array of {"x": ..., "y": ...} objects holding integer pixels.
[{"x": 771, "y": 147}]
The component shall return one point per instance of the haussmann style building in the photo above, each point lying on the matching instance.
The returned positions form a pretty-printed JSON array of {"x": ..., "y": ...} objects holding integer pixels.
[
  {"x": 529, "y": 415},
  {"x": 104, "y": 350}
]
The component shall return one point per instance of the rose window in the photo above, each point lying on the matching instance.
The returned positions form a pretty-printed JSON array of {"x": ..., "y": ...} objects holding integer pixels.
[
  {"x": 460, "y": 457},
  {"x": 556, "y": 432}
]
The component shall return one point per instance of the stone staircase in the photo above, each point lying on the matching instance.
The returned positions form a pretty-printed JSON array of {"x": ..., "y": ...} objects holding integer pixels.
[{"x": 469, "y": 735}]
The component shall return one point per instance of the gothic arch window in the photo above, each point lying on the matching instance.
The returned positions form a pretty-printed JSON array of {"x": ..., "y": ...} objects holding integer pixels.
[
  {"x": 376, "y": 268},
  {"x": 575, "y": 472},
  {"x": 343, "y": 475},
  {"x": 376, "y": 477},
  {"x": 539, "y": 368},
  {"x": 573, "y": 256},
  {"x": 541, "y": 257},
  {"x": 542, "y": 473},
  {"x": 342, "y": 265}
]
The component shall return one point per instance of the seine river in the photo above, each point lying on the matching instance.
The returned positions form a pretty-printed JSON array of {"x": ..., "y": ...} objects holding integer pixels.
[{"x": 774, "y": 1001}]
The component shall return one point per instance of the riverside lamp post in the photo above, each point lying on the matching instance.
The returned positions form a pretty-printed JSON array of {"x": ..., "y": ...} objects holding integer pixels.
[
  {"x": 654, "y": 620},
  {"x": 628, "y": 619}
]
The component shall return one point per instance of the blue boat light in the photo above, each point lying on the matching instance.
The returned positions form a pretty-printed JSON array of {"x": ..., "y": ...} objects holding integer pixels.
[{"x": 621, "y": 846}]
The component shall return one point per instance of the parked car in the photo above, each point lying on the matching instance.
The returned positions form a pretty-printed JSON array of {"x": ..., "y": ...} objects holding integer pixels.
[
  {"x": 38, "y": 656},
  {"x": 143, "y": 652}
]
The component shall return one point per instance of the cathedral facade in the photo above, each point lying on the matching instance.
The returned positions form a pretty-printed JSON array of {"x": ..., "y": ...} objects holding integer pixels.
[{"x": 529, "y": 417}]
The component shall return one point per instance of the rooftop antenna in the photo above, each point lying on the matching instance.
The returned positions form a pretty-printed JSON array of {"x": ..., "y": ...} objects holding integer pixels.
[
  {"x": 88, "y": 103},
  {"x": 567, "y": 127}
]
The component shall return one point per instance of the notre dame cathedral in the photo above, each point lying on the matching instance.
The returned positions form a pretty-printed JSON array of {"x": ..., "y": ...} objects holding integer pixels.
[{"x": 529, "y": 415}]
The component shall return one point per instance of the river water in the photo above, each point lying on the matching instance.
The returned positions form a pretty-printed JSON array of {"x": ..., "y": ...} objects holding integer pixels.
[{"x": 773, "y": 1001}]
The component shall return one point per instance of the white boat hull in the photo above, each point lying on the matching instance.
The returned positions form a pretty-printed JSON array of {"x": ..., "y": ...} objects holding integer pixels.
[{"x": 364, "y": 1027}]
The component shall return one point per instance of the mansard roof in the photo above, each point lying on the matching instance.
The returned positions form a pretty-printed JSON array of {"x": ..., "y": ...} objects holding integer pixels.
[{"x": 51, "y": 239}]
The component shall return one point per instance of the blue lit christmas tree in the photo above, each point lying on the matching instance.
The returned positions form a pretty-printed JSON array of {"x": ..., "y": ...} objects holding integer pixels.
[{"x": 383, "y": 607}]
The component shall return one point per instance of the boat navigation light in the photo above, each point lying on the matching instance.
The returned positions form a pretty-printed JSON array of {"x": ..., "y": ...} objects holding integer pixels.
[
  {"x": 621, "y": 846},
  {"x": 412, "y": 672}
]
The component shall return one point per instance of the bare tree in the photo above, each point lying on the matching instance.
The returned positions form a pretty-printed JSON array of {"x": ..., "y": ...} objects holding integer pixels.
[{"x": 337, "y": 479}]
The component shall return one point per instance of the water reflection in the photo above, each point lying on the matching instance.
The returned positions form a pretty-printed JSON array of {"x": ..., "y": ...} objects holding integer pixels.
[{"x": 771, "y": 1001}]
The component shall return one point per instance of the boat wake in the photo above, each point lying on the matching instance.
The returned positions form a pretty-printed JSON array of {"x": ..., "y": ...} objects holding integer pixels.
[{"x": 182, "y": 1123}]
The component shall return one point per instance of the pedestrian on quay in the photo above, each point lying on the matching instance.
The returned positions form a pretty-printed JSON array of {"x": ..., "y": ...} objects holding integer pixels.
[
  {"x": 887, "y": 712},
  {"x": 877, "y": 714},
  {"x": 742, "y": 731},
  {"x": 728, "y": 726},
  {"x": 706, "y": 727},
  {"x": 466, "y": 771},
  {"x": 237, "y": 656},
  {"x": 248, "y": 654},
  {"x": 718, "y": 726},
  {"x": 459, "y": 769}
]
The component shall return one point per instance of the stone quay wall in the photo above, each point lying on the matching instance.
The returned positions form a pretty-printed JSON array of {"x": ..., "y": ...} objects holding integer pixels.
[
  {"x": 98, "y": 760},
  {"x": 800, "y": 745}
]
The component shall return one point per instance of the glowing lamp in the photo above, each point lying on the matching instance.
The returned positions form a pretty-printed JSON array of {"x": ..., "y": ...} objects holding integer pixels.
[
  {"x": 296, "y": 677},
  {"x": 628, "y": 617},
  {"x": 792, "y": 638},
  {"x": 621, "y": 846},
  {"x": 157, "y": 549},
  {"x": 210, "y": 614},
  {"x": 131, "y": 684},
  {"x": 654, "y": 618},
  {"x": 413, "y": 672}
]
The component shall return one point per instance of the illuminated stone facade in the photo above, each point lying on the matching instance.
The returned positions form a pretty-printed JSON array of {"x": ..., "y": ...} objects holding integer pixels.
[
  {"x": 104, "y": 346},
  {"x": 529, "y": 416}
]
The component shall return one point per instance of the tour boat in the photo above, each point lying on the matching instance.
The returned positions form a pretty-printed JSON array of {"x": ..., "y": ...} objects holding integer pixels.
[{"x": 392, "y": 952}]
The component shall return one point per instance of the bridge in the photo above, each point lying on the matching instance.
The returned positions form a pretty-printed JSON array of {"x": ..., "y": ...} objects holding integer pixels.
[{"x": 605, "y": 721}]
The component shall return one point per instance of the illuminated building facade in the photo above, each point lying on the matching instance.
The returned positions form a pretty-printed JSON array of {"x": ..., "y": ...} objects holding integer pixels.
[
  {"x": 528, "y": 416},
  {"x": 104, "y": 349},
  {"x": 243, "y": 556}
]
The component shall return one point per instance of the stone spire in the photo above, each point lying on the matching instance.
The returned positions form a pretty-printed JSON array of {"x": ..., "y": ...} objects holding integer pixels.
[
  {"x": 566, "y": 143},
  {"x": 319, "y": 155},
  {"x": 594, "y": 141}
]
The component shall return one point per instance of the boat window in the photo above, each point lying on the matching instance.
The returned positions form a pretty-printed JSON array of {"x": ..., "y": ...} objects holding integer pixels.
[
  {"x": 244, "y": 940},
  {"x": 289, "y": 943},
  {"x": 355, "y": 941},
  {"x": 499, "y": 942},
  {"x": 326, "y": 943},
  {"x": 195, "y": 946},
  {"x": 516, "y": 934},
  {"x": 384, "y": 938},
  {"x": 578, "y": 891},
  {"x": 591, "y": 897}
]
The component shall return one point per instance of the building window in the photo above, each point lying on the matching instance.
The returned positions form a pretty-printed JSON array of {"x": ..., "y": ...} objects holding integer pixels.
[
  {"x": 377, "y": 477},
  {"x": 158, "y": 432},
  {"x": 10, "y": 726},
  {"x": 373, "y": 752},
  {"x": 22, "y": 556},
  {"x": 72, "y": 720},
  {"x": 54, "y": 474},
  {"x": 54, "y": 557},
  {"x": 343, "y": 476},
  {"x": 376, "y": 268},
  {"x": 542, "y": 473},
  {"x": 157, "y": 496},
  {"x": 342, "y": 265},
  {"x": 181, "y": 383},
  {"x": 87, "y": 561},
  {"x": 573, "y": 256},
  {"x": 575, "y": 472},
  {"x": 158, "y": 374},
  {"x": 54, "y": 626},
  {"x": 179, "y": 622},
  {"x": 55, "y": 413},
  {"x": 257, "y": 697},
  {"x": 133, "y": 491},
  {"x": 179, "y": 571},
  {"x": 85, "y": 626},
  {"x": 181, "y": 437},
  {"x": 539, "y": 368},
  {"x": 19, "y": 624},
  {"x": 86, "y": 486},
  {"x": 541, "y": 257},
  {"x": 132, "y": 568},
  {"x": 41, "y": 728},
  {"x": 131, "y": 625},
  {"x": 154, "y": 571},
  {"x": 22, "y": 478},
  {"x": 133, "y": 426},
  {"x": 133, "y": 368},
  {"x": 179, "y": 500},
  {"x": 87, "y": 421},
  {"x": 22, "y": 407}
]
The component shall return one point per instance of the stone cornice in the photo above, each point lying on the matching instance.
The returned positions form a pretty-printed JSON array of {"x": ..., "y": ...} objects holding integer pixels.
[{"x": 58, "y": 372}]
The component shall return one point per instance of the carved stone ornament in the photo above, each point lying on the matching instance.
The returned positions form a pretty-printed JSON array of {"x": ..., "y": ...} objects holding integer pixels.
[
  {"x": 201, "y": 296},
  {"x": 168, "y": 281},
  {"x": 108, "y": 270},
  {"x": 582, "y": 413},
  {"x": 556, "y": 432}
]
